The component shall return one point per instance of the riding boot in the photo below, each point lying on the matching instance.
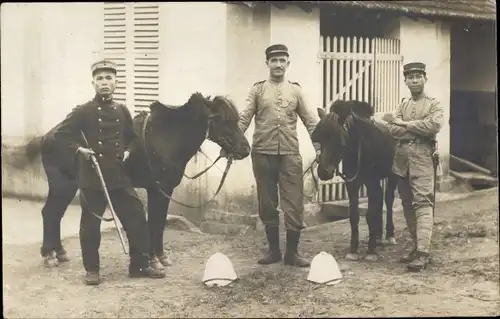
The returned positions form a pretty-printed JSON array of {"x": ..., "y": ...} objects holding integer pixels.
[
  {"x": 165, "y": 260},
  {"x": 409, "y": 258},
  {"x": 420, "y": 262},
  {"x": 92, "y": 278},
  {"x": 273, "y": 255},
  {"x": 292, "y": 257},
  {"x": 140, "y": 267}
]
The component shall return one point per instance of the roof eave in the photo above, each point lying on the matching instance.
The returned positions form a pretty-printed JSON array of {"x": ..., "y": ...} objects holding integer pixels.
[{"x": 366, "y": 4}]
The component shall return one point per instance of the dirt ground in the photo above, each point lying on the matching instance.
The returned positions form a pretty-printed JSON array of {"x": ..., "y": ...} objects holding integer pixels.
[{"x": 462, "y": 281}]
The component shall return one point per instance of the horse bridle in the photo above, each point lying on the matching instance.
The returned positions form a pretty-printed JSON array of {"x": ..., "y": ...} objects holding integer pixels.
[
  {"x": 350, "y": 179},
  {"x": 157, "y": 183},
  {"x": 226, "y": 171},
  {"x": 337, "y": 171}
]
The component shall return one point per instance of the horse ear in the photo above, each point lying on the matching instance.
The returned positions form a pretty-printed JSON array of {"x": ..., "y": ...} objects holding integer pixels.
[{"x": 321, "y": 113}]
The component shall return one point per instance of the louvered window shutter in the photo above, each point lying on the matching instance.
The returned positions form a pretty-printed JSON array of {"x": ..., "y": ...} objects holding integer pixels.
[
  {"x": 146, "y": 42},
  {"x": 131, "y": 39},
  {"x": 115, "y": 43}
]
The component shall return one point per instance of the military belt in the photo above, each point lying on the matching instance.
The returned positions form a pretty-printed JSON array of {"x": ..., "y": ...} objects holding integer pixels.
[{"x": 416, "y": 141}]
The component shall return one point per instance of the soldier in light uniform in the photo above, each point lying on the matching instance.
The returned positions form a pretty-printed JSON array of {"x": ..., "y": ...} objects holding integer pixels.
[
  {"x": 108, "y": 130},
  {"x": 275, "y": 103},
  {"x": 415, "y": 125}
]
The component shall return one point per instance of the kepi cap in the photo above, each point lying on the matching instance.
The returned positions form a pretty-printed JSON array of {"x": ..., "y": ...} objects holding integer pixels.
[
  {"x": 277, "y": 49},
  {"x": 414, "y": 67},
  {"x": 104, "y": 65}
]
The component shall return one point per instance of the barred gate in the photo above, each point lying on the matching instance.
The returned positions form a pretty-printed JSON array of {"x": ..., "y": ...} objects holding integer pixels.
[
  {"x": 131, "y": 38},
  {"x": 361, "y": 69}
]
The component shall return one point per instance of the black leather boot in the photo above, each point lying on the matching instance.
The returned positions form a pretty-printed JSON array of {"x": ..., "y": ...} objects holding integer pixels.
[
  {"x": 92, "y": 278},
  {"x": 409, "y": 258},
  {"x": 140, "y": 268},
  {"x": 273, "y": 255},
  {"x": 419, "y": 263},
  {"x": 292, "y": 257}
]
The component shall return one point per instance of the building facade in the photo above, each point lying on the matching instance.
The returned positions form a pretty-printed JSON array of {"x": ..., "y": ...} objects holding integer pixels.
[{"x": 167, "y": 51}]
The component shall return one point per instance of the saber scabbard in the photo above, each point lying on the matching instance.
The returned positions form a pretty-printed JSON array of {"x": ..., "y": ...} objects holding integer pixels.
[{"x": 108, "y": 199}]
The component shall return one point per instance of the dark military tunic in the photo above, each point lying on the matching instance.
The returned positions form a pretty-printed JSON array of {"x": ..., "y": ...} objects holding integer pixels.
[
  {"x": 107, "y": 126},
  {"x": 108, "y": 129}
]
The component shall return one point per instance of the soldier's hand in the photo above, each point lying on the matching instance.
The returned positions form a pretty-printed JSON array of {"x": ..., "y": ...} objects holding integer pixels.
[
  {"x": 86, "y": 152},
  {"x": 389, "y": 117},
  {"x": 126, "y": 155},
  {"x": 399, "y": 122}
]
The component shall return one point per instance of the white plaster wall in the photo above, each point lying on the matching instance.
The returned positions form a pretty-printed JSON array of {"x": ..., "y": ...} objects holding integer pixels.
[
  {"x": 429, "y": 42},
  {"x": 192, "y": 59},
  {"x": 300, "y": 32},
  {"x": 249, "y": 33},
  {"x": 47, "y": 50},
  {"x": 247, "y": 39},
  {"x": 234, "y": 39},
  {"x": 12, "y": 60}
]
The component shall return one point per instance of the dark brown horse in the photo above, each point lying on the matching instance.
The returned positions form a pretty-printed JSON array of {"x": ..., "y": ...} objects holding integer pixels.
[
  {"x": 366, "y": 149},
  {"x": 171, "y": 136}
]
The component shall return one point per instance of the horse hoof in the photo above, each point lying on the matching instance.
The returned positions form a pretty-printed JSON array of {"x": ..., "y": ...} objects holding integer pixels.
[
  {"x": 391, "y": 241},
  {"x": 50, "y": 261},
  {"x": 352, "y": 257},
  {"x": 165, "y": 261},
  {"x": 156, "y": 264},
  {"x": 372, "y": 257},
  {"x": 62, "y": 258}
]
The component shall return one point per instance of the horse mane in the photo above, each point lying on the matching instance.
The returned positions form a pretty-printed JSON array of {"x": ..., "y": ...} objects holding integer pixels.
[
  {"x": 343, "y": 108},
  {"x": 328, "y": 127},
  {"x": 229, "y": 112},
  {"x": 192, "y": 110}
]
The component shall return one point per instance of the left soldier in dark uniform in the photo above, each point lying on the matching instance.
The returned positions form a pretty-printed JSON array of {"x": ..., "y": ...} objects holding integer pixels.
[{"x": 107, "y": 127}]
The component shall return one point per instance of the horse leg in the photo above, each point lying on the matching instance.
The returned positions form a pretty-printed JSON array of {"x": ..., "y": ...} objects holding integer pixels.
[
  {"x": 157, "y": 219},
  {"x": 61, "y": 193},
  {"x": 353, "y": 193},
  {"x": 392, "y": 183},
  {"x": 373, "y": 215}
]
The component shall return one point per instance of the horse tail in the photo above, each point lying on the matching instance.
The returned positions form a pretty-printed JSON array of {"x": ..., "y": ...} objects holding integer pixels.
[{"x": 33, "y": 149}]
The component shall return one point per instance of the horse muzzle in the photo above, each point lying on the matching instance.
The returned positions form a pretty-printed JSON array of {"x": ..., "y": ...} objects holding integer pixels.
[
  {"x": 240, "y": 153},
  {"x": 325, "y": 174}
]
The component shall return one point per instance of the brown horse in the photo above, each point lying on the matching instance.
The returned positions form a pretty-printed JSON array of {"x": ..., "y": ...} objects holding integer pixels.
[
  {"x": 171, "y": 136},
  {"x": 366, "y": 149}
]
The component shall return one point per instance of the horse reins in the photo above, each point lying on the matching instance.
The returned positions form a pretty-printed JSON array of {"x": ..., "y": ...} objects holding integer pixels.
[
  {"x": 310, "y": 168},
  {"x": 223, "y": 178},
  {"x": 342, "y": 175}
]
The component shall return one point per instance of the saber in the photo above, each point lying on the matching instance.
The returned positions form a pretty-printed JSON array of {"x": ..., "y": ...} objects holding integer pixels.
[
  {"x": 437, "y": 172},
  {"x": 106, "y": 194}
]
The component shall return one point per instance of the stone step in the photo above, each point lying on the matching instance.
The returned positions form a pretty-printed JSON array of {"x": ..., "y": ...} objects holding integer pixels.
[
  {"x": 341, "y": 208},
  {"x": 230, "y": 218},
  {"x": 475, "y": 178},
  {"x": 217, "y": 228}
]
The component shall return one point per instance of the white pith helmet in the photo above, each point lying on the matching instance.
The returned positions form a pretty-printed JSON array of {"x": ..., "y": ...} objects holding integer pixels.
[
  {"x": 324, "y": 270},
  {"x": 219, "y": 271}
]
